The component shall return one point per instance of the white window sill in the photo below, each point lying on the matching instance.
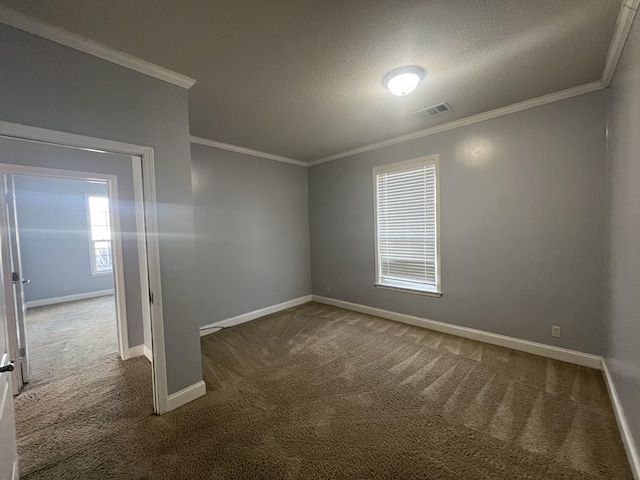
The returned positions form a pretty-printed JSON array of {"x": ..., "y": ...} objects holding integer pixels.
[
  {"x": 101, "y": 274},
  {"x": 399, "y": 287}
]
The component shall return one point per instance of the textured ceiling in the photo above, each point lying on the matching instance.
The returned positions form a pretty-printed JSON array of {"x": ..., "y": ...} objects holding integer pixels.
[{"x": 302, "y": 78}]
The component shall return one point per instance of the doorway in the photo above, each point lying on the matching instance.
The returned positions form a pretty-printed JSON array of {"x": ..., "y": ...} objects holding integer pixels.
[
  {"x": 129, "y": 172},
  {"x": 63, "y": 241},
  {"x": 20, "y": 153}
]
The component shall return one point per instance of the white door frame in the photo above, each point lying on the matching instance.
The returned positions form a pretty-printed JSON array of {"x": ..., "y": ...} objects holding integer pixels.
[{"x": 26, "y": 132}]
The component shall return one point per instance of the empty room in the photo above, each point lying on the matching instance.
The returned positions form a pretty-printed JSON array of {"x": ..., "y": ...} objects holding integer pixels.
[
  {"x": 63, "y": 238},
  {"x": 344, "y": 239}
]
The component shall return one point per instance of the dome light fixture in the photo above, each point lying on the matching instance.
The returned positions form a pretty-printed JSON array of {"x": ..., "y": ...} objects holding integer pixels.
[{"x": 404, "y": 80}]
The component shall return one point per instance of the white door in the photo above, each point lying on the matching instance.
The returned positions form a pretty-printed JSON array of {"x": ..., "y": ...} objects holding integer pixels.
[
  {"x": 8, "y": 452},
  {"x": 22, "y": 360}
]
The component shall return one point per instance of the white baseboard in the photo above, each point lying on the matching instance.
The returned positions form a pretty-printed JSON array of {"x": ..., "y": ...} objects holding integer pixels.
[
  {"x": 148, "y": 353},
  {"x": 67, "y": 298},
  {"x": 186, "y": 395},
  {"x": 246, "y": 317},
  {"x": 627, "y": 438},
  {"x": 139, "y": 351},
  {"x": 136, "y": 351},
  {"x": 557, "y": 353}
]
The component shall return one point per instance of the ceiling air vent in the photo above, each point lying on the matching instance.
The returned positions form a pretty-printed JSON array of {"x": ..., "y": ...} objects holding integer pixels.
[{"x": 432, "y": 111}]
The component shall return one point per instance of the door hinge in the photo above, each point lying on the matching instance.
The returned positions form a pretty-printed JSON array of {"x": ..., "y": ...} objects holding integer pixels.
[
  {"x": 22, "y": 351},
  {"x": 150, "y": 296},
  {"x": 15, "y": 276}
]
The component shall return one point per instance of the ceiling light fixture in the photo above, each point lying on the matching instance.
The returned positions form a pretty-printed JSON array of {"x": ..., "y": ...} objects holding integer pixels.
[{"x": 404, "y": 80}]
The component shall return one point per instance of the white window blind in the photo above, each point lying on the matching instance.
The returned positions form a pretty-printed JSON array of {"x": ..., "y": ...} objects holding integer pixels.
[{"x": 407, "y": 225}]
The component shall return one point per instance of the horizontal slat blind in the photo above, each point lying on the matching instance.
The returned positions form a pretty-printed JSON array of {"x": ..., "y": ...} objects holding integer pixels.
[{"x": 406, "y": 224}]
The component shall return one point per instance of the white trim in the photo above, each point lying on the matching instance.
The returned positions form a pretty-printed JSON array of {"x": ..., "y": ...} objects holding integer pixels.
[
  {"x": 246, "y": 317},
  {"x": 32, "y": 25},
  {"x": 415, "y": 291},
  {"x": 68, "y": 298},
  {"x": 160, "y": 381},
  {"x": 44, "y": 135},
  {"x": 623, "y": 26},
  {"x": 137, "y": 351},
  {"x": 27, "y": 132},
  {"x": 463, "y": 122},
  {"x": 557, "y": 353},
  {"x": 118, "y": 266},
  {"x": 633, "y": 455},
  {"x": 13, "y": 293},
  {"x": 186, "y": 395},
  {"x": 624, "y": 22},
  {"x": 143, "y": 267},
  {"x": 23, "y": 22},
  {"x": 148, "y": 353},
  {"x": 11, "y": 320},
  {"x": 14, "y": 475},
  {"x": 246, "y": 151}
]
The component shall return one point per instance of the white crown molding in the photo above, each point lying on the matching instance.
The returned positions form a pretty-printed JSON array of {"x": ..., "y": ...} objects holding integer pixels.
[
  {"x": 34, "y": 26},
  {"x": 463, "y": 122},
  {"x": 623, "y": 26},
  {"x": 246, "y": 151},
  {"x": 18, "y": 20}
]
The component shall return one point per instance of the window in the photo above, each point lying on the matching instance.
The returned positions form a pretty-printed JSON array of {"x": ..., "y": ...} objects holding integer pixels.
[
  {"x": 99, "y": 234},
  {"x": 407, "y": 226}
]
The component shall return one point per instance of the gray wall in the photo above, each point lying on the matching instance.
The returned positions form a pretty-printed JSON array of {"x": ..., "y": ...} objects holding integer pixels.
[
  {"x": 521, "y": 225},
  {"x": 622, "y": 351},
  {"x": 51, "y": 86},
  {"x": 54, "y": 237},
  {"x": 252, "y": 232}
]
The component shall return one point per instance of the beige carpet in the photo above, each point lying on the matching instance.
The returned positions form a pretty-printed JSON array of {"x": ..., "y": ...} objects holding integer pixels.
[
  {"x": 319, "y": 392},
  {"x": 70, "y": 336}
]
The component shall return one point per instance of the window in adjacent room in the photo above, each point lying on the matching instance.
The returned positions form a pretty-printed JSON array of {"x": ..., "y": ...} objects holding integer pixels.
[
  {"x": 99, "y": 234},
  {"x": 407, "y": 226}
]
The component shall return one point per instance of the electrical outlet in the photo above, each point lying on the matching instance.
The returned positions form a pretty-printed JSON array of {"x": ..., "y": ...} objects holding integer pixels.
[
  {"x": 555, "y": 331},
  {"x": 65, "y": 288},
  {"x": 328, "y": 289}
]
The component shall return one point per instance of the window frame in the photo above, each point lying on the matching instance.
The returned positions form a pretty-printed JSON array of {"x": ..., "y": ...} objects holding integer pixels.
[
  {"x": 407, "y": 287},
  {"x": 92, "y": 252}
]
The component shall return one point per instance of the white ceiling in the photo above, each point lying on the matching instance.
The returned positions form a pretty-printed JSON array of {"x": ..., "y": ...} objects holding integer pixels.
[{"x": 303, "y": 78}]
